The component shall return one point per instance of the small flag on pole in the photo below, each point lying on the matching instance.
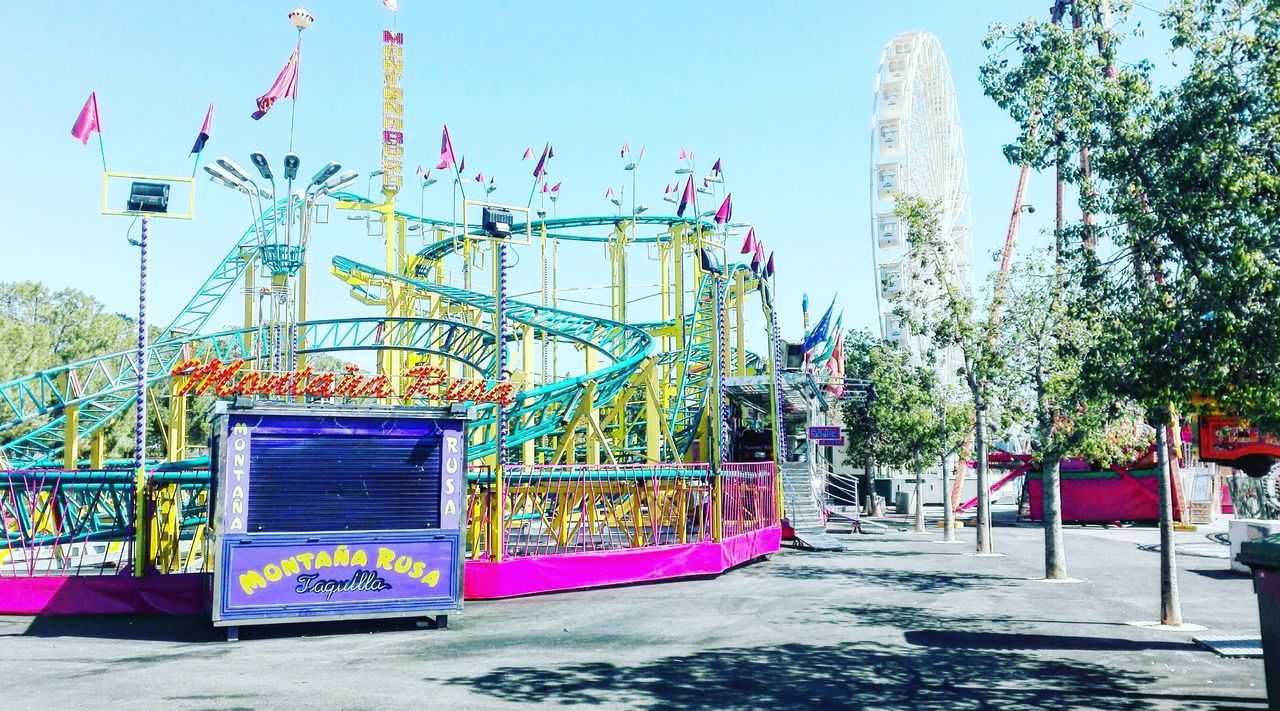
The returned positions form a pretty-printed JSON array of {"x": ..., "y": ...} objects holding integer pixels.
[
  {"x": 749, "y": 244},
  {"x": 462, "y": 164},
  {"x": 683, "y": 155},
  {"x": 480, "y": 177},
  {"x": 541, "y": 169},
  {"x": 285, "y": 87},
  {"x": 757, "y": 258},
  {"x": 686, "y": 198},
  {"x": 641, "y": 153},
  {"x": 528, "y": 153},
  {"x": 768, "y": 266},
  {"x": 609, "y": 193},
  {"x": 715, "y": 169},
  {"x": 625, "y": 150},
  {"x": 446, "y": 150},
  {"x": 392, "y": 5},
  {"x": 87, "y": 122},
  {"x": 725, "y": 213},
  {"x": 546, "y": 188},
  {"x": 203, "y": 137}
]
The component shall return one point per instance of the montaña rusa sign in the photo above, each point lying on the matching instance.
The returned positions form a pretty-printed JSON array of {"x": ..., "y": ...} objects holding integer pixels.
[{"x": 424, "y": 382}]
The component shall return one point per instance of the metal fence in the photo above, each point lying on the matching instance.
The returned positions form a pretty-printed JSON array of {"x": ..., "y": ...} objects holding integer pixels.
[{"x": 82, "y": 522}]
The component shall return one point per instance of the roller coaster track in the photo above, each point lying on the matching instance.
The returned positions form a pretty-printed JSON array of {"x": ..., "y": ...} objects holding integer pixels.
[{"x": 542, "y": 410}]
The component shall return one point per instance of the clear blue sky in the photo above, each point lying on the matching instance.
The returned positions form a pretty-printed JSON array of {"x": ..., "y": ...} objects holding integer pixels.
[{"x": 781, "y": 92}]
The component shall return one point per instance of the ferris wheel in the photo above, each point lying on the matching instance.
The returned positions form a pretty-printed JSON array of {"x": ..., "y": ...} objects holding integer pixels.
[{"x": 917, "y": 149}]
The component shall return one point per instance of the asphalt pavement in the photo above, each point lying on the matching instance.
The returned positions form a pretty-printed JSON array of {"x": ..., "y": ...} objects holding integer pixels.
[{"x": 897, "y": 621}]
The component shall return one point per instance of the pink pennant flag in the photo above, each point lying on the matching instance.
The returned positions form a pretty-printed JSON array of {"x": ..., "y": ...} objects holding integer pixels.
[
  {"x": 555, "y": 188},
  {"x": 667, "y": 190},
  {"x": 687, "y": 198},
  {"x": 392, "y": 5},
  {"x": 285, "y": 87},
  {"x": 419, "y": 171},
  {"x": 691, "y": 155},
  {"x": 87, "y": 121},
  {"x": 715, "y": 169},
  {"x": 545, "y": 188},
  {"x": 528, "y": 153},
  {"x": 480, "y": 177},
  {"x": 725, "y": 213},
  {"x": 608, "y": 193},
  {"x": 541, "y": 169},
  {"x": 625, "y": 150},
  {"x": 446, "y": 150},
  {"x": 757, "y": 257},
  {"x": 203, "y": 137},
  {"x": 683, "y": 155},
  {"x": 768, "y": 266},
  {"x": 749, "y": 244},
  {"x": 641, "y": 153},
  {"x": 462, "y": 164}
]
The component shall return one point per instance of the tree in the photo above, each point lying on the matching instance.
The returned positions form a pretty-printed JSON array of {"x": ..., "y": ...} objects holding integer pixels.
[
  {"x": 1050, "y": 328},
  {"x": 935, "y": 304},
  {"x": 906, "y": 419}
]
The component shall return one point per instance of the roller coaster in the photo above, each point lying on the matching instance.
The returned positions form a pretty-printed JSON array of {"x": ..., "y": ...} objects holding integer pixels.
[{"x": 615, "y": 456}]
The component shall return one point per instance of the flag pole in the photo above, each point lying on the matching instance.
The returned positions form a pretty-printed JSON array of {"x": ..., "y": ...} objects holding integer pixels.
[
  {"x": 101, "y": 150},
  {"x": 297, "y": 80},
  {"x": 196, "y": 166}
]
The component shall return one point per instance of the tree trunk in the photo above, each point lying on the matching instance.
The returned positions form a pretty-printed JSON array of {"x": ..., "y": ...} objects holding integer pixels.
[
  {"x": 1055, "y": 553},
  {"x": 1170, "y": 607},
  {"x": 919, "y": 498},
  {"x": 948, "y": 505},
  {"x": 984, "y": 497}
]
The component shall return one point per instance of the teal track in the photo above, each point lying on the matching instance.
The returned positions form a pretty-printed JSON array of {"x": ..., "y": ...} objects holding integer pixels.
[{"x": 102, "y": 388}]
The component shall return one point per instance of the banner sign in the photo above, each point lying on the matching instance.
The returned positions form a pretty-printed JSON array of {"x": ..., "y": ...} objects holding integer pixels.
[
  {"x": 1227, "y": 438},
  {"x": 319, "y": 575},
  {"x": 429, "y": 383},
  {"x": 824, "y": 433},
  {"x": 392, "y": 112},
  {"x": 833, "y": 442}
]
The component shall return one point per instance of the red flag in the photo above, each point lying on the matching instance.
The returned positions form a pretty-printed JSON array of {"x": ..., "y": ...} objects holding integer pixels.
[
  {"x": 285, "y": 87},
  {"x": 203, "y": 137},
  {"x": 528, "y": 153},
  {"x": 446, "y": 150},
  {"x": 87, "y": 122},
  {"x": 687, "y": 198},
  {"x": 541, "y": 168},
  {"x": 725, "y": 213},
  {"x": 749, "y": 244},
  {"x": 835, "y": 364}
]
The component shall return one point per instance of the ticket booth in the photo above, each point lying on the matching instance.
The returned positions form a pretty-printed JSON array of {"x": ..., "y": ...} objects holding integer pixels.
[{"x": 323, "y": 512}]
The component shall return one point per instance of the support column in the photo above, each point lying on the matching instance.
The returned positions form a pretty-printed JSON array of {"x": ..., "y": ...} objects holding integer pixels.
[{"x": 70, "y": 427}]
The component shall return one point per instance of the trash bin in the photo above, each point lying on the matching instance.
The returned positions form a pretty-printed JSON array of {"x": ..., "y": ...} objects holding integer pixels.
[{"x": 1263, "y": 556}]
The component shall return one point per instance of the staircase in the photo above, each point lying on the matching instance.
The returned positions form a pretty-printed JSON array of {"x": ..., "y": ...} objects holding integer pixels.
[{"x": 801, "y": 509}]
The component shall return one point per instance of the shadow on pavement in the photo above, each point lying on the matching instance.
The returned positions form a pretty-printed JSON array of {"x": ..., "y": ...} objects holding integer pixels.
[
  {"x": 192, "y": 628},
  {"x": 954, "y": 639},
  {"x": 842, "y": 676},
  {"x": 910, "y": 580}
]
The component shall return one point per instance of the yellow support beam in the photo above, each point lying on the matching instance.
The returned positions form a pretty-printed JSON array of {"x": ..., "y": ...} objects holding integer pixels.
[{"x": 70, "y": 427}]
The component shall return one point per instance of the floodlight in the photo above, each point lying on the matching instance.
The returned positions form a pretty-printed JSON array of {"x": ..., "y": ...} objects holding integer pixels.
[
  {"x": 641, "y": 208},
  {"x": 328, "y": 171},
  {"x": 259, "y": 160},
  {"x": 291, "y": 162},
  {"x": 231, "y": 167},
  {"x": 148, "y": 197},
  {"x": 497, "y": 221},
  {"x": 710, "y": 262}
]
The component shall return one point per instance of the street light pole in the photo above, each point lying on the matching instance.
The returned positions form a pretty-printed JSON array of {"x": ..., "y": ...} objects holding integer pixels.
[{"x": 140, "y": 423}]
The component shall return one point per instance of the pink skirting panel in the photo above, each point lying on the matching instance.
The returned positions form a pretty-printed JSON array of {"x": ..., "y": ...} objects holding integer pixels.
[{"x": 182, "y": 594}]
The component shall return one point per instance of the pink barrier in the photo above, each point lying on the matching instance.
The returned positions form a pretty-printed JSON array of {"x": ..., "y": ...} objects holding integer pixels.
[
  {"x": 175, "y": 594},
  {"x": 528, "y": 576},
  {"x": 180, "y": 594}
]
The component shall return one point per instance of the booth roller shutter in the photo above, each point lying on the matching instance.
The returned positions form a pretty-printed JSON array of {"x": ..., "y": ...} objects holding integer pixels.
[{"x": 343, "y": 483}]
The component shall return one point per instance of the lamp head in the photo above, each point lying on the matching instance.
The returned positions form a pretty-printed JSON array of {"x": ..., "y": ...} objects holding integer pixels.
[
  {"x": 328, "y": 171},
  {"x": 291, "y": 163},
  {"x": 236, "y": 171},
  {"x": 259, "y": 160}
]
